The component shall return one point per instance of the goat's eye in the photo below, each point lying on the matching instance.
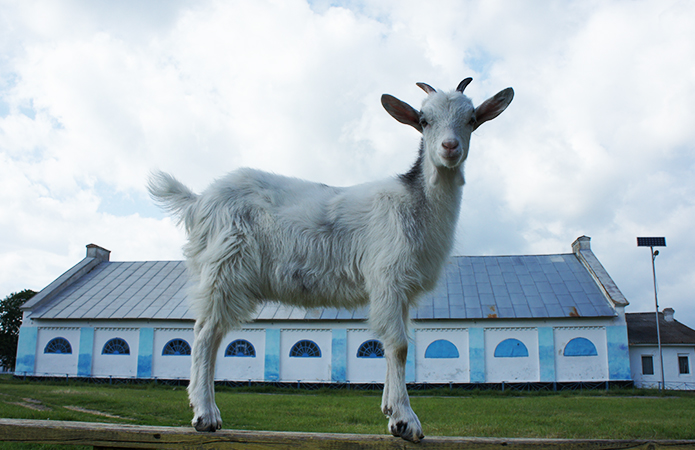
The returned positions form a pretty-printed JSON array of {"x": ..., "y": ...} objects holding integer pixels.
[
  {"x": 472, "y": 121},
  {"x": 423, "y": 122}
]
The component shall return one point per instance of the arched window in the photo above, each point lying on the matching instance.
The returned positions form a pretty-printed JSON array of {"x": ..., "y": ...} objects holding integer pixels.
[
  {"x": 441, "y": 349},
  {"x": 511, "y": 348},
  {"x": 58, "y": 345},
  {"x": 371, "y": 349},
  {"x": 177, "y": 347},
  {"x": 116, "y": 346},
  {"x": 580, "y": 347},
  {"x": 305, "y": 349},
  {"x": 240, "y": 347}
]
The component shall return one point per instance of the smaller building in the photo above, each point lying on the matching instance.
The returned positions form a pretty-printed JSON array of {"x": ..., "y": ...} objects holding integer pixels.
[{"x": 677, "y": 348}]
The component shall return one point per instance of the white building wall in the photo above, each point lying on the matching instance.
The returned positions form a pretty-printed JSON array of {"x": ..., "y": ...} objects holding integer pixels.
[
  {"x": 242, "y": 368},
  {"x": 517, "y": 369},
  {"x": 305, "y": 369},
  {"x": 357, "y": 370},
  {"x": 673, "y": 379},
  {"x": 441, "y": 370},
  {"x": 584, "y": 368},
  {"x": 170, "y": 366},
  {"x": 57, "y": 364},
  {"x": 363, "y": 370},
  {"x": 117, "y": 366}
]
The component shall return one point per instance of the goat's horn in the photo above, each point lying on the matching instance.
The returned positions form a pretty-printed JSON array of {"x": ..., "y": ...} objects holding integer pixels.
[
  {"x": 462, "y": 85},
  {"x": 426, "y": 87}
]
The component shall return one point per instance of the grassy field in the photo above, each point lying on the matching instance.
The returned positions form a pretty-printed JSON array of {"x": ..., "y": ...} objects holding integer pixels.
[{"x": 615, "y": 415}]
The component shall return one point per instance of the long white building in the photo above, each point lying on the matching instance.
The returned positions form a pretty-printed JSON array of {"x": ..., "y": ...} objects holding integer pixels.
[{"x": 491, "y": 319}]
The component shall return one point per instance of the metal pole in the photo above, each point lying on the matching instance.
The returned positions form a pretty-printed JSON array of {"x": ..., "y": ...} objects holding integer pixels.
[{"x": 658, "y": 333}]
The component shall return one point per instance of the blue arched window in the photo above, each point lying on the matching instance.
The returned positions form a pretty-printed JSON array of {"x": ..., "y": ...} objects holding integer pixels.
[
  {"x": 240, "y": 347},
  {"x": 176, "y": 347},
  {"x": 305, "y": 349},
  {"x": 511, "y": 348},
  {"x": 58, "y": 345},
  {"x": 116, "y": 346},
  {"x": 580, "y": 347},
  {"x": 441, "y": 349},
  {"x": 371, "y": 349}
]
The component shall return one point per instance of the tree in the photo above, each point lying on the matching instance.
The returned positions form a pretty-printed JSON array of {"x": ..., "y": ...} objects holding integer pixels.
[{"x": 10, "y": 321}]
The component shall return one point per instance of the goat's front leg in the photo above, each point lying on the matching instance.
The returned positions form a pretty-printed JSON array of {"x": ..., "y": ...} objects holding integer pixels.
[
  {"x": 201, "y": 388},
  {"x": 389, "y": 319}
]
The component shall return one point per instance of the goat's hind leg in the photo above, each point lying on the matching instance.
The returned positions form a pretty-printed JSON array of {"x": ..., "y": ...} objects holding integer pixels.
[{"x": 201, "y": 389}]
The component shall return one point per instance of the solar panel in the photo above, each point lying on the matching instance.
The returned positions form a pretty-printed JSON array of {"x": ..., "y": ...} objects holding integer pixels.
[{"x": 651, "y": 242}]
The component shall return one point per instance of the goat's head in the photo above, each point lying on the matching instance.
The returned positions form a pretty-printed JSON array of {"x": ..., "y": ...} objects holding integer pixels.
[{"x": 447, "y": 119}]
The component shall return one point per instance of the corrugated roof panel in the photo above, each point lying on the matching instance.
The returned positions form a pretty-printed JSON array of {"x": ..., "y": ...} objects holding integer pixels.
[
  {"x": 474, "y": 313},
  {"x": 93, "y": 291},
  {"x": 283, "y": 312},
  {"x": 268, "y": 311},
  {"x": 173, "y": 292},
  {"x": 152, "y": 279},
  {"x": 425, "y": 312},
  {"x": 180, "y": 311},
  {"x": 344, "y": 314},
  {"x": 71, "y": 293},
  {"x": 127, "y": 291},
  {"x": 297, "y": 313},
  {"x": 329, "y": 314},
  {"x": 361, "y": 313},
  {"x": 457, "y": 312},
  {"x": 471, "y": 287},
  {"x": 112, "y": 292},
  {"x": 313, "y": 314}
]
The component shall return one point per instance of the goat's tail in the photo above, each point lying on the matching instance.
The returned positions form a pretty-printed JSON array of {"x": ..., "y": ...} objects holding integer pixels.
[{"x": 171, "y": 195}]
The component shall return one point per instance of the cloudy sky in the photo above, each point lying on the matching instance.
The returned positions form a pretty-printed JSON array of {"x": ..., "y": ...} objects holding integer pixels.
[{"x": 599, "y": 139}]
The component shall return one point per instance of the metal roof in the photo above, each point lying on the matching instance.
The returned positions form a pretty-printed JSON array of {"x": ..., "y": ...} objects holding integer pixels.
[{"x": 471, "y": 287}]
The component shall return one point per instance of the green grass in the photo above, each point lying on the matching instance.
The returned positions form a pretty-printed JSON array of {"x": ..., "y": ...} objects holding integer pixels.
[{"x": 620, "y": 414}]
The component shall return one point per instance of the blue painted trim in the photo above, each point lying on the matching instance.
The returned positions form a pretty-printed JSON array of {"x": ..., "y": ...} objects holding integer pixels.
[
  {"x": 410, "y": 363},
  {"x": 26, "y": 350},
  {"x": 84, "y": 359},
  {"x": 145, "y": 352},
  {"x": 339, "y": 355},
  {"x": 580, "y": 347},
  {"x": 476, "y": 354},
  {"x": 618, "y": 353},
  {"x": 546, "y": 354},
  {"x": 511, "y": 348},
  {"x": 442, "y": 348},
  {"x": 272, "y": 355}
]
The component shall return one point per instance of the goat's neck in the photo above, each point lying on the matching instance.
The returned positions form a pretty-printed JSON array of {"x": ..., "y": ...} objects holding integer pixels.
[{"x": 442, "y": 189}]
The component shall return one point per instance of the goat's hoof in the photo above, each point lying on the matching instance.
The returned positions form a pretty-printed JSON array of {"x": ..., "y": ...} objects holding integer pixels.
[
  {"x": 402, "y": 430},
  {"x": 203, "y": 425},
  {"x": 408, "y": 430}
]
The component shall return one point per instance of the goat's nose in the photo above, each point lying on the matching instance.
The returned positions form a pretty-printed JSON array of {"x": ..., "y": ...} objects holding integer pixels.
[{"x": 450, "y": 144}]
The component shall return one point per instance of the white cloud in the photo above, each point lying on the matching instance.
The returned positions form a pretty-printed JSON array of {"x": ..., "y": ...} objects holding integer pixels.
[{"x": 598, "y": 140}]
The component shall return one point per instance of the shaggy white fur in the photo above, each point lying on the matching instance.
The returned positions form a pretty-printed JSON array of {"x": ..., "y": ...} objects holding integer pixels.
[{"x": 255, "y": 236}]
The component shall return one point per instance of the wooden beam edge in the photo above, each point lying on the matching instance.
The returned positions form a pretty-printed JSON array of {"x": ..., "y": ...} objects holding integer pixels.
[{"x": 143, "y": 436}]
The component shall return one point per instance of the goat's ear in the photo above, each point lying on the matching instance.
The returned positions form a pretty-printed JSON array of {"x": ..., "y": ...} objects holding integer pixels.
[
  {"x": 401, "y": 111},
  {"x": 493, "y": 106}
]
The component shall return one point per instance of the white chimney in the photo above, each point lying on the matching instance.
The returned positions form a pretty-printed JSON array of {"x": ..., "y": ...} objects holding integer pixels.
[{"x": 668, "y": 314}]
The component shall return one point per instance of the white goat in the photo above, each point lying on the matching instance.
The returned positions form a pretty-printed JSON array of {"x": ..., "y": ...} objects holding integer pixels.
[{"x": 255, "y": 236}]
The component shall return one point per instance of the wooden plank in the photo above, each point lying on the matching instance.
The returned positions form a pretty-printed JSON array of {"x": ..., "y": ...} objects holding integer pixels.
[{"x": 119, "y": 436}]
